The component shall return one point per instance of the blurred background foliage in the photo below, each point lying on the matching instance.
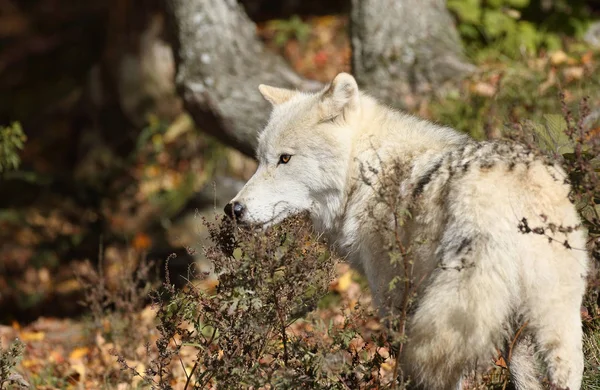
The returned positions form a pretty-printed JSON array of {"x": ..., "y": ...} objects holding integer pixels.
[
  {"x": 519, "y": 27},
  {"x": 12, "y": 141}
]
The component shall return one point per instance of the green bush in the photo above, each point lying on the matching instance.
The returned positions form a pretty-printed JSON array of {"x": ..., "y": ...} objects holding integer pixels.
[
  {"x": 516, "y": 27},
  {"x": 12, "y": 140},
  {"x": 286, "y": 30}
]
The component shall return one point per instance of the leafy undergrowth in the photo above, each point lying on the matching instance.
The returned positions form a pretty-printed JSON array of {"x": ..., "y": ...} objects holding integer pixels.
[
  {"x": 510, "y": 91},
  {"x": 591, "y": 350},
  {"x": 253, "y": 326},
  {"x": 282, "y": 312}
]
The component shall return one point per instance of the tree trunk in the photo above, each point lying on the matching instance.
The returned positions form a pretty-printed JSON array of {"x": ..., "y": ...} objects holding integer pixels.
[
  {"x": 404, "y": 47},
  {"x": 220, "y": 63}
]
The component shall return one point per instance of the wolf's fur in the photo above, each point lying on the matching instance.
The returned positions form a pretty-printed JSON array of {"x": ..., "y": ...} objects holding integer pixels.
[{"x": 482, "y": 276}]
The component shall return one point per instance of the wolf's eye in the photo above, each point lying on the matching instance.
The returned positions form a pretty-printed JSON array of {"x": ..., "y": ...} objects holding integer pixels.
[{"x": 284, "y": 158}]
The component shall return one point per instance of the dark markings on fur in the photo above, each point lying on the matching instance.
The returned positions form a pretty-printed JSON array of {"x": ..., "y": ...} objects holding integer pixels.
[
  {"x": 466, "y": 243},
  {"x": 425, "y": 179},
  {"x": 457, "y": 257},
  {"x": 511, "y": 166},
  {"x": 330, "y": 119},
  {"x": 465, "y": 166},
  {"x": 487, "y": 164},
  {"x": 464, "y": 264},
  {"x": 450, "y": 168}
]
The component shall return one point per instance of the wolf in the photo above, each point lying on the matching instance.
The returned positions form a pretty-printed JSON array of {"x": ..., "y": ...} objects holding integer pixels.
[{"x": 498, "y": 249}]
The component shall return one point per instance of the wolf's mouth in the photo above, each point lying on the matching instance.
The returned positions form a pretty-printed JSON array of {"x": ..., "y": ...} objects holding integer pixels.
[
  {"x": 279, "y": 217},
  {"x": 260, "y": 225},
  {"x": 275, "y": 220}
]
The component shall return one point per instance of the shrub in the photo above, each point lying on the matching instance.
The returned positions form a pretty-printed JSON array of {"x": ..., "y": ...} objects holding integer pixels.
[
  {"x": 8, "y": 360},
  {"x": 12, "y": 140},
  {"x": 516, "y": 27},
  {"x": 266, "y": 282}
]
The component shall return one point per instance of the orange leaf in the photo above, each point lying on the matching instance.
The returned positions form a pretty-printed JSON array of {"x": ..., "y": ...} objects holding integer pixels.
[
  {"x": 31, "y": 363},
  {"x": 587, "y": 58},
  {"x": 343, "y": 282},
  {"x": 593, "y": 133},
  {"x": 32, "y": 336},
  {"x": 141, "y": 242},
  {"x": 320, "y": 58},
  {"x": 78, "y": 353},
  {"x": 56, "y": 357},
  {"x": 500, "y": 362}
]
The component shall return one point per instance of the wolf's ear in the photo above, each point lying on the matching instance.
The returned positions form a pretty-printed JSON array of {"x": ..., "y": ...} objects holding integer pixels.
[
  {"x": 276, "y": 95},
  {"x": 341, "y": 95}
]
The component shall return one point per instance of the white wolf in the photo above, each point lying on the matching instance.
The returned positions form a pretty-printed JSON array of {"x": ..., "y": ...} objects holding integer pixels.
[{"x": 471, "y": 204}]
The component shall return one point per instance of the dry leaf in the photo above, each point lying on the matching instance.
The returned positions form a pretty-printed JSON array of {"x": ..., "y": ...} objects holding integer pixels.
[
  {"x": 31, "y": 336},
  {"x": 484, "y": 89},
  {"x": 587, "y": 58},
  {"x": 573, "y": 73},
  {"x": 558, "y": 57},
  {"x": 550, "y": 81},
  {"x": 343, "y": 282},
  {"x": 141, "y": 242},
  {"x": 78, "y": 353},
  {"x": 500, "y": 362}
]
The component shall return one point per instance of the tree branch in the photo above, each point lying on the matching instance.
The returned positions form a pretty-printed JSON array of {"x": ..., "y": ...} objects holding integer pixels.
[{"x": 220, "y": 63}]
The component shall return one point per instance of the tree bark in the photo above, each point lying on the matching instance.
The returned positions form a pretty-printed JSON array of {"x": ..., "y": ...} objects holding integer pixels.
[
  {"x": 400, "y": 48},
  {"x": 220, "y": 63}
]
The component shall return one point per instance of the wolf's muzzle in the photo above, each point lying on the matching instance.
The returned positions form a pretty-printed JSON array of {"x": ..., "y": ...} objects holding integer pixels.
[{"x": 234, "y": 210}]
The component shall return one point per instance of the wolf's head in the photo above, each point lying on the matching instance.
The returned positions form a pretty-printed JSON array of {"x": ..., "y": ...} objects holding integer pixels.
[{"x": 303, "y": 155}]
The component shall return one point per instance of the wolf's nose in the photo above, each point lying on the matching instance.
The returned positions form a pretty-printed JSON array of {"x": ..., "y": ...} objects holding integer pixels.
[{"x": 234, "y": 210}]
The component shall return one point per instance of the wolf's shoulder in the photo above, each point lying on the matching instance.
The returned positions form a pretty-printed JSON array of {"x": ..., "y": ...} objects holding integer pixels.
[
  {"x": 479, "y": 157},
  {"x": 487, "y": 154}
]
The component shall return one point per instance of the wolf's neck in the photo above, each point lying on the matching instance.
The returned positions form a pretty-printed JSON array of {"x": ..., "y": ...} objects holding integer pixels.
[
  {"x": 381, "y": 127},
  {"x": 385, "y": 142}
]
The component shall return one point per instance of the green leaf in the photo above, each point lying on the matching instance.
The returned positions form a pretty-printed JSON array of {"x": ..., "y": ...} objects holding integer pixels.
[
  {"x": 552, "y": 42},
  {"x": 468, "y": 31},
  {"x": 517, "y": 3},
  {"x": 468, "y": 11},
  {"x": 496, "y": 23},
  {"x": 237, "y": 253},
  {"x": 550, "y": 135},
  {"x": 528, "y": 36},
  {"x": 11, "y": 142},
  {"x": 495, "y": 3}
]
